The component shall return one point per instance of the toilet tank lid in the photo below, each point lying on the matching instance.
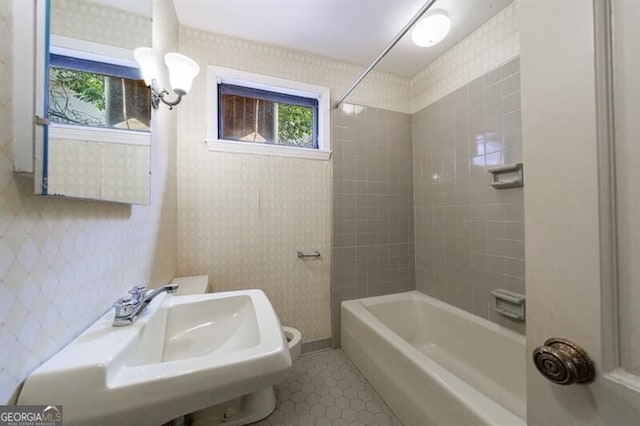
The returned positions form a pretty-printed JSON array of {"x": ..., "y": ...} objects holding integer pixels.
[{"x": 197, "y": 284}]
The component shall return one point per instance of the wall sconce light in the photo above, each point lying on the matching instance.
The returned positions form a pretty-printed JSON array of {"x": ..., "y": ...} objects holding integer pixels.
[{"x": 182, "y": 71}]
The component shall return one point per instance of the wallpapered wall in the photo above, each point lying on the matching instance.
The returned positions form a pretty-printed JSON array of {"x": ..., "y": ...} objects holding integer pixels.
[
  {"x": 92, "y": 22},
  {"x": 63, "y": 262},
  {"x": 243, "y": 218},
  {"x": 379, "y": 89},
  {"x": 91, "y": 169},
  {"x": 99, "y": 171},
  {"x": 239, "y": 218}
]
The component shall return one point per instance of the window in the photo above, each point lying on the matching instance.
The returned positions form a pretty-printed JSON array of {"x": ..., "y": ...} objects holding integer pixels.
[
  {"x": 261, "y": 116},
  {"x": 95, "y": 93},
  {"x": 257, "y": 114},
  {"x": 90, "y": 93}
]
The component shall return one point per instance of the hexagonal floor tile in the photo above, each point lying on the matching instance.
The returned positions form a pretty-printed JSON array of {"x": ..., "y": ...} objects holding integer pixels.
[{"x": 325, "y": 388}]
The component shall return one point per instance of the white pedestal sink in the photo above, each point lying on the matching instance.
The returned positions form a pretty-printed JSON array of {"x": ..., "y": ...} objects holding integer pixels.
[{"x": 182, "y": 355}]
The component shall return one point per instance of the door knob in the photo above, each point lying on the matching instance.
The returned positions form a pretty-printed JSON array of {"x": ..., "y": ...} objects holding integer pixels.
[{"x": 563, "y": 362}]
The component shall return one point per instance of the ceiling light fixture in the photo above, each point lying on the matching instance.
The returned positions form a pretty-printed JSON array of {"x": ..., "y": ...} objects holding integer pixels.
[
  {"x": 182, "y": 71},
  {"x": 432, "y": 29}
]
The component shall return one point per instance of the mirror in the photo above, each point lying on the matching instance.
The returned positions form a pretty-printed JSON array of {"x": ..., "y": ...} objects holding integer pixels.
[{"x": 98, "y": 142}]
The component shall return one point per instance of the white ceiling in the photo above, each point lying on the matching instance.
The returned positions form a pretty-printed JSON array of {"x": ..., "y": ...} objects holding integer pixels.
[{"x": 353, "y": 31}]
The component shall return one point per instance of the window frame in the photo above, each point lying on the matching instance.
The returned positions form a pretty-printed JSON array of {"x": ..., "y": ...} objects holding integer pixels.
[
  {"x": 226, "y": 76},
  {"x": 58, "y": 59}
]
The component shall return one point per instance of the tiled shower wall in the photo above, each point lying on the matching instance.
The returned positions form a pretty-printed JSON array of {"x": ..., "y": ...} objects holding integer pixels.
[
  {"x": 372, "y": 244},
  {"x": 469, "y": 237}
]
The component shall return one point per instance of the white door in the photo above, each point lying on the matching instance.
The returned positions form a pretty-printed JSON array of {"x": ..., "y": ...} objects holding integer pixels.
[{"x": 582, "y": 237}]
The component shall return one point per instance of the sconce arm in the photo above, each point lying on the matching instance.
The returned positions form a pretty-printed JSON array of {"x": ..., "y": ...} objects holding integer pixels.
[{"x": 158, "y": 95}]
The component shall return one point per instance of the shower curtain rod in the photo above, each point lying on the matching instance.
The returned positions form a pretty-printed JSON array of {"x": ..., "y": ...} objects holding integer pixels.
[{"x": 386, "y": 50}]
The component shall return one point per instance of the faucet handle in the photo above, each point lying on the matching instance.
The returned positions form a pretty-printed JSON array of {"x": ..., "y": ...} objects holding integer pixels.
[
  {"x": 137, "y": 293},
  {"x": 124, "y": 306}
]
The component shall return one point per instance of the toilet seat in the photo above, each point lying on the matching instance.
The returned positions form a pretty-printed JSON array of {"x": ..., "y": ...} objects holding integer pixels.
[{"x": 294, "y": 341}]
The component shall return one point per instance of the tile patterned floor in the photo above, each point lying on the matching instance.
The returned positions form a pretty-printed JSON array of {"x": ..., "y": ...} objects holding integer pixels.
[{"x": 325, "y": 388}]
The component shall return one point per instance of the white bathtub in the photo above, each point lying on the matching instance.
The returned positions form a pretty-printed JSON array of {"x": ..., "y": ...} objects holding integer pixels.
[{"x": 435, "y": 364}]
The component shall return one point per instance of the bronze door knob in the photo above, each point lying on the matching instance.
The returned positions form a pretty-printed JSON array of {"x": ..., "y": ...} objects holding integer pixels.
[{"x": 563, "y": 362}]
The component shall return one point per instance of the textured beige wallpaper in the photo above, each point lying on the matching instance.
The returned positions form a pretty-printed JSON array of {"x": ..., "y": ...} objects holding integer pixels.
[
  {"x": 380, "y": 90},
  {"x": 491, "y": 45},
  {"x": 92, "y": 22},
  {"x": 99, "y": 171},
  {"x": 243, "y": 218},
  {"x": 63, "y": 262}
]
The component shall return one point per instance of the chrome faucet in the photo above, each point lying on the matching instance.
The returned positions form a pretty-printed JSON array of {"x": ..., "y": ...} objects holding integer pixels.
[{"x": 128, "y": 309}]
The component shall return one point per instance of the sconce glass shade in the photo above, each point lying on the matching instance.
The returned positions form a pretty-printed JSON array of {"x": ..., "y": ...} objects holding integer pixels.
[
  {"x": 182, "y": 71},
  {"x": 144, "y": 58},
  {"x": 432, "y": 29}
]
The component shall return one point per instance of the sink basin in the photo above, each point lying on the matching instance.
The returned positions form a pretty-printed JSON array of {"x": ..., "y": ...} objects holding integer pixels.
[
  {"x": 183, "y": 354},
  {"x": 200, "y": 328}
]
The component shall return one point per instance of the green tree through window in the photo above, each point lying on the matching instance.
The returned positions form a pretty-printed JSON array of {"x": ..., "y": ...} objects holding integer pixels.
[
  {"x": 97, "y": 94},
  {"x": 67, "y": 85},
  {"x": 295, "y": 124}
]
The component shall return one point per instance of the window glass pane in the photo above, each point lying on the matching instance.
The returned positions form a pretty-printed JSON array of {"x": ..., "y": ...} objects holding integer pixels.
[
  {"x": 247, "y": 119},
  {"x": 266, "y": 119},
  {"x": 295, "y": 125},
  {"x": 97, "y": 100}
]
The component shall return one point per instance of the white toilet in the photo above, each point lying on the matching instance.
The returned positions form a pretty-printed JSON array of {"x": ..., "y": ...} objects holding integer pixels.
[{"x": 294, "y": 340}]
